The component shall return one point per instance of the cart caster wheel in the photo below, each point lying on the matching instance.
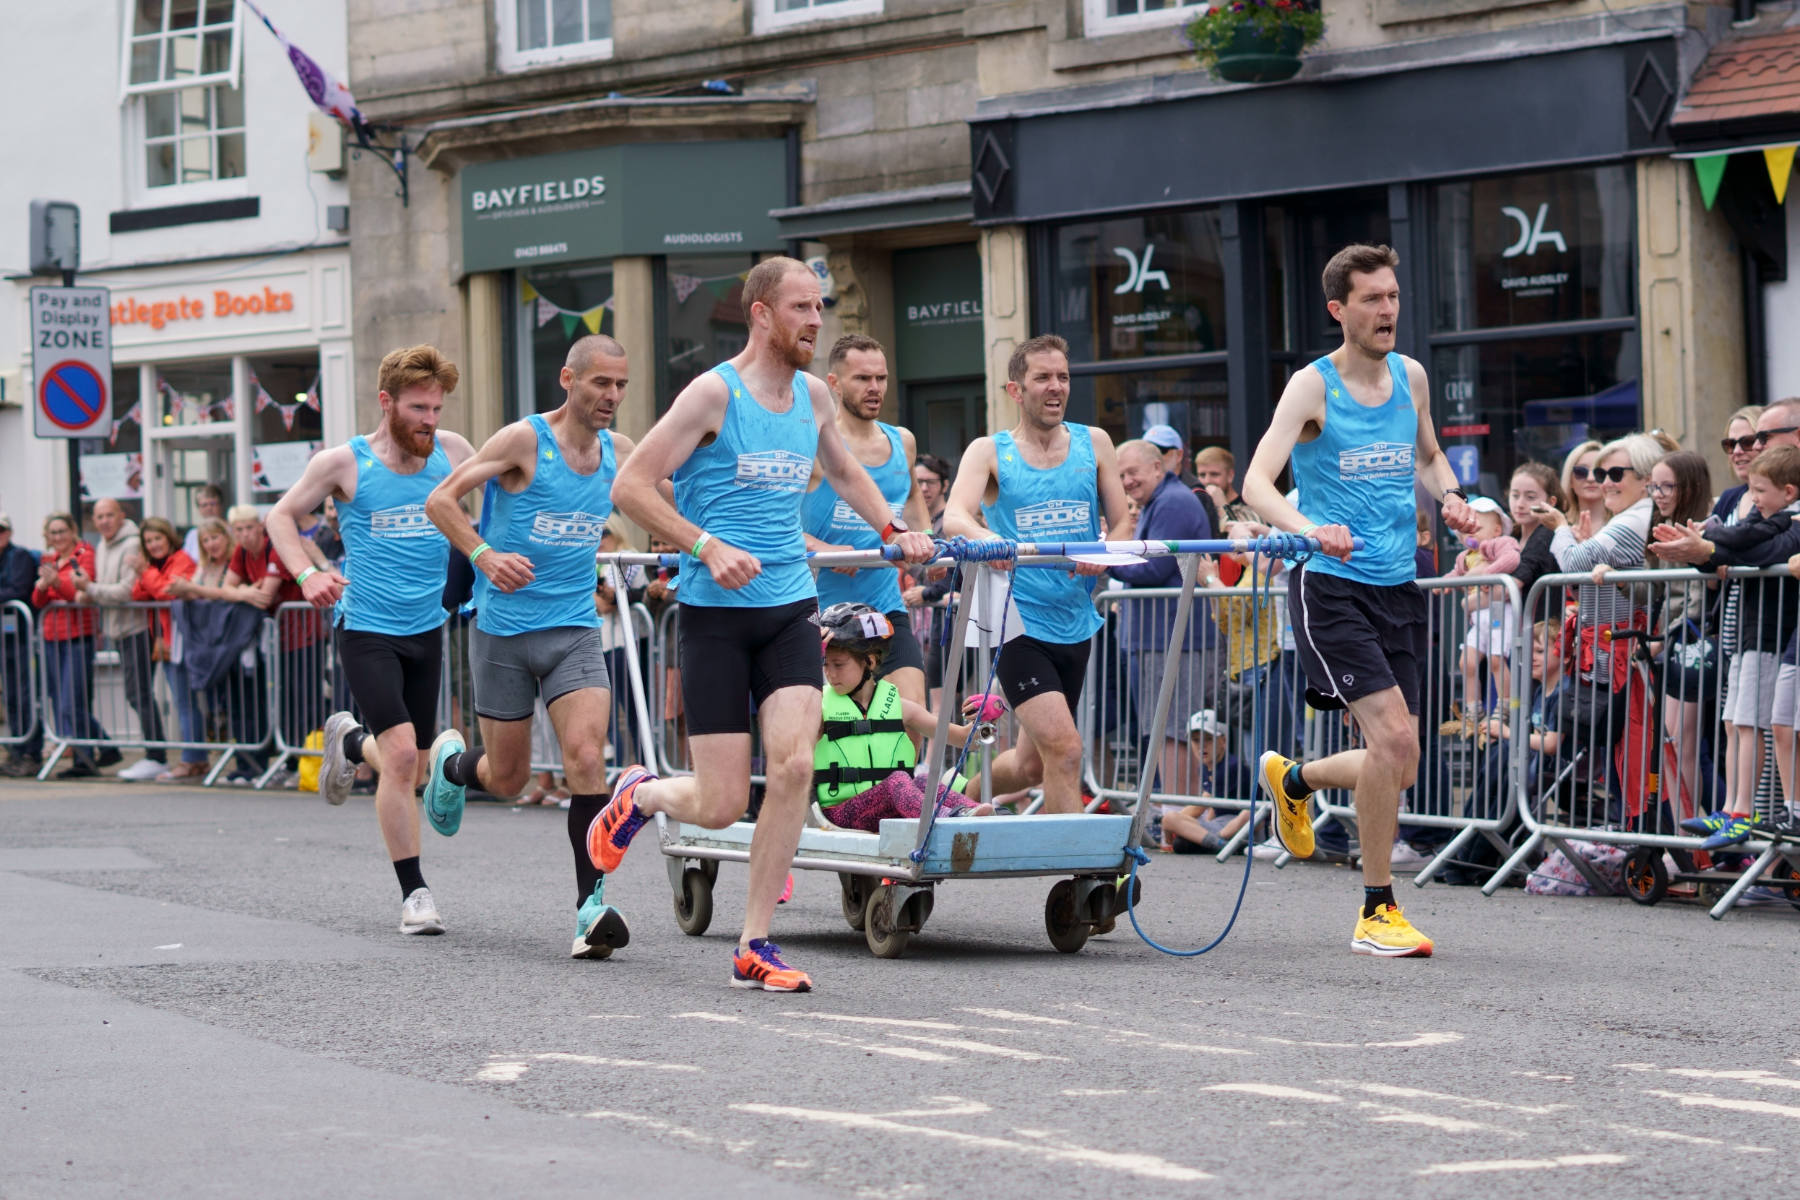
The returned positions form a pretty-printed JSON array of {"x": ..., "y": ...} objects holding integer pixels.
[
  {"x": 1068, "y": 932},
  {"x": 854, "y": 893},
  {"x": 1646, "y": 878},
  {"x": 879, "y": 919},
  {"x": 694, "y": 902},
  {"x": 1788, "y": 880},
  {"x": 1708, "y": 894}
]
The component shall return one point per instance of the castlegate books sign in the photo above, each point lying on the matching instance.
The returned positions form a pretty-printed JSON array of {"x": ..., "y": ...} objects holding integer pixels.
[{"x": 638, "y": 199}]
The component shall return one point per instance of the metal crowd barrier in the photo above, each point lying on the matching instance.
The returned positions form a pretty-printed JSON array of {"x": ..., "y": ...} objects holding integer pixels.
[
  {"x": 103, "y": 691},
  {"x": 22, "y": 732},
  {"x": 1629, "y": 728},
  {"x": 305, "y": 681}
]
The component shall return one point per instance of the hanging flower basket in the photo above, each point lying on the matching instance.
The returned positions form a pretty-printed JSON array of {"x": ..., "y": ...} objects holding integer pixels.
[{"x": 1254, "y": 41}]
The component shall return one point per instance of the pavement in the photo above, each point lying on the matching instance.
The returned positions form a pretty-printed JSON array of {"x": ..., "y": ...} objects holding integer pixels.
[{"x": 203, "y": 993}]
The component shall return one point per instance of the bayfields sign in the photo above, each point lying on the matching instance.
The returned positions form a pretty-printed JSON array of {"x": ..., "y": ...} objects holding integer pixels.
[{"x": 638, "y": 199}]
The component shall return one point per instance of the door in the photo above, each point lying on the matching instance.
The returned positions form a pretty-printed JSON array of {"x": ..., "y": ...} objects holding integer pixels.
[{"x": 945, "y": 415}]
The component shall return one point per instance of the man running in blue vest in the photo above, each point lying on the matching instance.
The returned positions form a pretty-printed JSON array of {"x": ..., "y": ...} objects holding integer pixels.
[
  {"x": 1356, "y": 427},
  {"x": 858, "y": 377},
  {"x": 739, "y": 443},
  {"x": 1044, "y": 480},
  {"x": 389, "y": 616},
  {"x": 548, "y": 494}
]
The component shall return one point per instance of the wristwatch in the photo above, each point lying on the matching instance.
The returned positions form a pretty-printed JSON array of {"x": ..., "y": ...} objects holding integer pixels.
[
  {"x": 894, "y": 528},
  {"x": 1455, "y": 491}
]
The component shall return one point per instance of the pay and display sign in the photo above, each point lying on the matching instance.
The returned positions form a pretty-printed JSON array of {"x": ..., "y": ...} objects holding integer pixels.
[{"x": 71, "y": 360}]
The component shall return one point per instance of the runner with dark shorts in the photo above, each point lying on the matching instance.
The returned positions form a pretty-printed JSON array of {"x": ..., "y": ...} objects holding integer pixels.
[
  {"x": 739, "y": 443},
  {"x": 389, "y": 613},
  {"x": 548, "y": 494},
  {"x": 858, "y": 377},
  {"x": 1041, "y": 481},
  {"x": 1356, "y": 426}
]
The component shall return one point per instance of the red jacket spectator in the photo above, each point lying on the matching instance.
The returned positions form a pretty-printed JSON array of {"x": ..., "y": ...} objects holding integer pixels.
[
  {"x": 153, "y": 585},
  {"x": 66, "y": 624}
]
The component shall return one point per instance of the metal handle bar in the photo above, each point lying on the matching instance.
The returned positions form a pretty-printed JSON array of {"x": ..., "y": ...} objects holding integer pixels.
[{"x": 1027, "y": 553}]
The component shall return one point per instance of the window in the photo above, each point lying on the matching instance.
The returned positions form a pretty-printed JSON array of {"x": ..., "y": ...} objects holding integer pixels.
[
  {"x": 1126, "y": 16},
  {"x": 781, "y": 14},
  {"x": 536, "y": 33},
  {"x": 557, "y": 306},
  {"x": 180, "y": 82},
  {"x": 702, "y": 320}
]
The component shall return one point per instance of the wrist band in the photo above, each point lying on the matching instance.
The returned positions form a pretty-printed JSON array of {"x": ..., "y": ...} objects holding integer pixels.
[
  {"x": 700, "y": 543},
  {"x": 1308, "y": 529},
  {"x": 303, "y": 576},
  {"x": 477, "y": 552},
  {"x": 887, "y": 535}
]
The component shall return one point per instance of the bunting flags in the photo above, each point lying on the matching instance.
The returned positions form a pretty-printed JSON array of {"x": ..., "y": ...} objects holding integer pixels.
[
  {"x": 1709, "y": 169},
  {"x": 548, "y": 310},
  {"x": 326, "y": 90},
  {"x": 134, "y": 414},
  {"x": 178, "y": 406},
  {"x": 307, "y": 399},
  {"x": 1780, "y": 162}
]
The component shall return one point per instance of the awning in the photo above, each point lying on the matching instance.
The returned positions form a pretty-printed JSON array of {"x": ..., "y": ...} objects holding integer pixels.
[
  {"x": 1744, "y": 99},
  {"x": 868, "y": 212}
]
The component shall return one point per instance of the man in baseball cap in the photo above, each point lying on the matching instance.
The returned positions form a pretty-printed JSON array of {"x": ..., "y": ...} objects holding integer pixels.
[{"x": 1166, "y": 439}]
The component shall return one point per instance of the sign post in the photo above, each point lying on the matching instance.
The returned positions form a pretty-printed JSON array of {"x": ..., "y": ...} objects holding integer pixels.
[{"x": 71, "y": 360}]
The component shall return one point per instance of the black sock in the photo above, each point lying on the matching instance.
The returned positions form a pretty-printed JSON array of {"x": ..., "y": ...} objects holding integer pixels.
[
  {"x": 583, "y": 808},
  {"x": 1375, "y": 897},
  {"x": 460, "y": 768},
  {"x": 1294, "y": 783},
  {"x": 411, "y": 878},
  {"x": 353, "y": 744}
]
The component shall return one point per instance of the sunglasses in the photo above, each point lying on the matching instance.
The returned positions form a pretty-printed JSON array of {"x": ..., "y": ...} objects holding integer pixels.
[
  {"x": 1763, "y": 435},
  {"x": 1744, "y": 444},
  {"x": 1611, "y": 474}
]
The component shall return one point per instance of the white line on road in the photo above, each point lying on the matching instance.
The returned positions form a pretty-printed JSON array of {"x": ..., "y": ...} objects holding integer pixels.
[
  {"x": 1276, "y": 1091},
  {"x": 1524, "y": 1164},
  {"x": 1409, "y": 1093},
  {"x": 1423, "y": 1039},
  {"x": 1193, "y": 1048},
  {"x": 594, "y": 1060},
  {"x": 1002, "y": 1014},
  {"x": 722, "y": 1018},
  {"x": 730, "y": 1145},
  {"x": 1400, "y": 1116},
  {"x": 953, "y": 1106},
  {"x": 833, "y": 1039},
  {"x": 981, "y": 1048},
  {"x": 945, "y": 1026},
  {"x": 1707, "y": 1100},
  {"x": 502, "y": 1072},
  {"x": 1143, "y": 1165},
  {"x": 1760, "y": 1078}
]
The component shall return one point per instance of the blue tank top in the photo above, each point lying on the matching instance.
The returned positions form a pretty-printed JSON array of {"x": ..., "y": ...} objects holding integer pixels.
[
  {"x": 1359, "y": 473},
  {"x": 556, "y": 522},
  {"x": 745, "y": 487},
  {"x": 830, "y": 519},
  {"x": 394, "y": 557},
  {"x": 1058, "y": 504}
]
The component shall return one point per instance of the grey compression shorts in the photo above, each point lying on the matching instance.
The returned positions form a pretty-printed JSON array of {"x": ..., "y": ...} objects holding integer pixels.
[{"x": 511, "y": 671}]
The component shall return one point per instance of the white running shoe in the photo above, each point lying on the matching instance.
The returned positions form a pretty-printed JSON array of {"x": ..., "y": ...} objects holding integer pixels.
[
  {"x": 141, "y": 770},
  {"x": 337, "y": 774},
  {"x": 1405, "y": 858},
  {"x": 1270, "y": 849},
  {"x": 419, "y": 914}
]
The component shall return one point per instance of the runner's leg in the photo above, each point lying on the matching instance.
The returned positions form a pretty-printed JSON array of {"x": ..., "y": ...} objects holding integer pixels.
[
  {"x": 789, "y": 719},
  {"x": 1389, "y": 765},
  {"x": 394, "y": 753}
]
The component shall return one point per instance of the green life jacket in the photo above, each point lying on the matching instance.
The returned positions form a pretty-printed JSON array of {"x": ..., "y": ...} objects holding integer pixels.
[{"x": 858, "y": 750}]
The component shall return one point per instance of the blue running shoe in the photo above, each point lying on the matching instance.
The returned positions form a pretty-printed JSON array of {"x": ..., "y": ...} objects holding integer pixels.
[
  {"x": 443, "y": 799},
  {"x": 599, "y": 929},
  {"x": 1710, "y": 823},
  {"x": 1736, "y": 829}
]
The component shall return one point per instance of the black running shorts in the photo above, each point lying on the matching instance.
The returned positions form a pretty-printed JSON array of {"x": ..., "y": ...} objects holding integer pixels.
[
  {"x": 1356, "y": 639},
  {"x": 1028, "y": 667},
  {"x": 732, "y": 659},
  {"x": 394, "y": 680}
]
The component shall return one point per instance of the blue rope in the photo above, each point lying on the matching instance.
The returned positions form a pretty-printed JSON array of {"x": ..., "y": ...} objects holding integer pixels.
[{"x": 1286, "y": 545}]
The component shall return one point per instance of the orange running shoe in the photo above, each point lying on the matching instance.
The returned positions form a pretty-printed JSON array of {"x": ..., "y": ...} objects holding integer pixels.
[
  {"x": 610, "y": 833},
  {"x": 761, "y": 967}
]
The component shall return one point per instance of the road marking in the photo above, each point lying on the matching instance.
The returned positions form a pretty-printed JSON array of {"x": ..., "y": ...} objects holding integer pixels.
[
  {"x": 170, "y": 946},
  {"x": 1280, "y": 1041},
  {"x": 1423, "y": 1039},
  {"x": 1400, "y": 1116},
  {"x": 954, "y": 1106},
  {"x": 1524, "y": 1164},
  {"x": 1096, "y": 1091},
  {"x": 1274, "y": 1090},
  {"x": 1547, "y": 1078},
  {"x": 981, "y": 1048},
  {"x": 594, "y": 1060},
  {"x": 1001, "y": 1014},
  {"x": 834, "y": 1039},
  {"x": 1145, "y": 1166},
  {"x": 722, "y": 1018},
  {"x": 1761, "y": 1078},
  {"x": 1707, "y": 1100},
  {"x": 502, "y": 1072},
  {"x": 1408, "y": 1093},
  {"x": 1193, "y": 1048},
  {"x": 730, "y": 1145},
  {"x": 888, "y": 1021}
]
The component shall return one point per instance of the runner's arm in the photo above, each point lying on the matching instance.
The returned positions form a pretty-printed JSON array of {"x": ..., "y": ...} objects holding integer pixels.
[
  {"x": 962, "y": 508},
  {"x": 512, "y": 449},
  {"x": 1302, "y": 403},
  {"x": 1432, "y": 465},
  {"x": 330, "y": 473}
]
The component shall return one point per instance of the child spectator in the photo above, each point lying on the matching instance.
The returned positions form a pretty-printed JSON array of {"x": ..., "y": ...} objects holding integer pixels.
[
  {"x": 1491, "y": 551},
  {"x": 1199, "y": 828}
]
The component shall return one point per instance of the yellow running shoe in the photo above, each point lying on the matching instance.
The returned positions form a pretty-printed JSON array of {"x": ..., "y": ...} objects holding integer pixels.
[
  {"x": 1293, "y": 823},
  {"x": 1390, "y": 935}
]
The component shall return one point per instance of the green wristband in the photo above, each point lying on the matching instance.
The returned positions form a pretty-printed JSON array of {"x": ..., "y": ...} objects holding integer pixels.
[
  {"x": 700, "y": 544},
  {"x": 1309, "y": 529},
  {"x": 478, "y": 551},
  {"x": 303, "y": 576}
]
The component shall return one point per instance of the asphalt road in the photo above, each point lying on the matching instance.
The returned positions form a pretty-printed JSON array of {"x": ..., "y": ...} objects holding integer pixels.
[{"x": 203, "y": 994}]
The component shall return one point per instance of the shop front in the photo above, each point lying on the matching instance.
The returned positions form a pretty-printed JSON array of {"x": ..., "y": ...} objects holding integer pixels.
[
  {"x": 1187, "y": 280},
  {"x": 232, "y": 374}
]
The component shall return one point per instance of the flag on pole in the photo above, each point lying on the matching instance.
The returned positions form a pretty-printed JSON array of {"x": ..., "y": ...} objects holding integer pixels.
[{"x": 326, "y": 90}]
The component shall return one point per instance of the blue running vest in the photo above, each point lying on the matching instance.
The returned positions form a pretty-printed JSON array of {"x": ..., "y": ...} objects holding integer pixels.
[
  {"x": 394, "y": 557},
  {"x": 556, "y": 522},
  {"x": 1058, "y": 504},
  {"x": 745, "y": 487},
  {"x": 832, "y": 520},
  {"x": 1359, "y": 473}
]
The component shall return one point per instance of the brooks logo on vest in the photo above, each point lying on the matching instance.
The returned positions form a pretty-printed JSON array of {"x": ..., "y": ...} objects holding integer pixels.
[
  {"x": 1053, "y": 516},
  {"x": 567, "y": 529},
  {"x": 401, "y": 521},
  {"x": 774, "y": 470},
  {"x": 1377, "y": 460}
]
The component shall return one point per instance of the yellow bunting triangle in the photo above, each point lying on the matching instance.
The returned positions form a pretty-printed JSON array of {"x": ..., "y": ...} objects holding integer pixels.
[
  {"x": 1710, "y": 170},
  {"x": 592, "y": 318},
  {"x": 1780, "y": 161},
  {"x": 527, "y": 293}
]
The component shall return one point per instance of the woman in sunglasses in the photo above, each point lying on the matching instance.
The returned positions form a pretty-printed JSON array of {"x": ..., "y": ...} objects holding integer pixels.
[
  {"x": 1739, "y": 444},
  {"x": 1580, "y": 486}
]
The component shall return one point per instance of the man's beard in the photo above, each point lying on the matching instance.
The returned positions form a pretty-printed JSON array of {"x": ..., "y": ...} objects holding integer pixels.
[
  {"x": 790, "y": 349},
  {"x": 417, "y": 442}
]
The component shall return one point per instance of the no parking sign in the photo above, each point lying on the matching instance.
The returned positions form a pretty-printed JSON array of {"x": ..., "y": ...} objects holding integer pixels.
[{"x": 71, "y": 360}]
